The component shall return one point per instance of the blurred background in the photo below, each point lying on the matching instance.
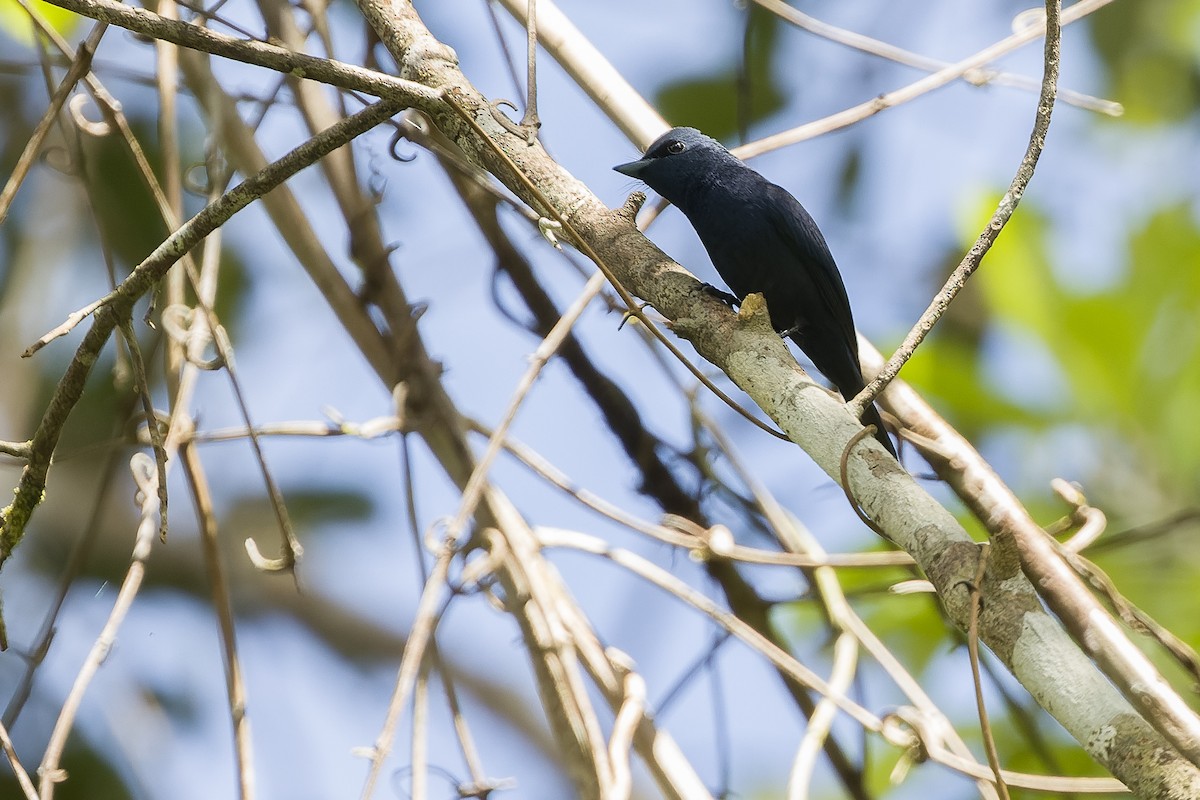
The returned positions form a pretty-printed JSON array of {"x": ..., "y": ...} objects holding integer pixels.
[{"x": 1074, "y": 353}]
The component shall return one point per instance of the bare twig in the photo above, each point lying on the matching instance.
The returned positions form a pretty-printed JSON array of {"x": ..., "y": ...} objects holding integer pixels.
[
  {"x": 927, "y": 84},
  {"x": 420, "y": 731},
  {"x": 620, "y": 744},
  {"x": 1132, "y": 615},
  {"x": 985, "y": 727},
  {"x": 336, "y": 73},
  {"x": 138, "y": 282},
  {"x": 845, "y": 667},
  {"x": 14, "y": 762},
  {"x": 1092, "y": 521},
  {"x": 235, "y": 686},
  {"x": 145, "y": 474},
  {"x": 931, "y": 735},
  {"x": 589, "y": 69},
  {"x": 142, "y": 386},
  {"x": 529, "y": 120},
  {"x": 474, "y": 487},
  {"x": 664, "y": 580},
  {"x": 1004, "y": 211},
  {"x": 79, "y": 68},
  {"x": 466, "y": 742},
  {"x": 419, "y": 637},
  {"x": 15, "y": 449},
  {"x": 976, "y": 77}
]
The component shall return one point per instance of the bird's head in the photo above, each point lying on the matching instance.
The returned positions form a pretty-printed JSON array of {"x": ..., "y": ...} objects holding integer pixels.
[{"x": 677, "y": 161}]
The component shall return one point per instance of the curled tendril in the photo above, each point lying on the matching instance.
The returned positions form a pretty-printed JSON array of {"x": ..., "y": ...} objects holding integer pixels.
[
  {"x": 399, "y": 136},
  {"x": 178, "y": 322},
  {"x": 203, "y": 177},
  {"x": 75, "y": 107}
]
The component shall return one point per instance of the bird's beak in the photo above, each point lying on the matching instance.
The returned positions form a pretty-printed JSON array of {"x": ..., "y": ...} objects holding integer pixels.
[{"x": 634, "y": 168}]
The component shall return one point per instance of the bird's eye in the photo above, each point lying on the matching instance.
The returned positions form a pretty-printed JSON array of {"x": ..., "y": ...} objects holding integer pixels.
[{"x": 676, "y": 147}]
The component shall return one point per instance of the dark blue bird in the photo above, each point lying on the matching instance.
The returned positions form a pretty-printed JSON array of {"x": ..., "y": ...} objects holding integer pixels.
[{"x": 761, "y": 239}]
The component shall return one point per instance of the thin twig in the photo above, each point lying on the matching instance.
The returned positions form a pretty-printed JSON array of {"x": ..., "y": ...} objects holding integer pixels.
[
  {"x": 620, "y": 743},
  {"x": 22, "y": 776},
  {"x": 509, "y": 61},
  {"x": 145, "y": 475},
  {"x": 931, "y": 733},
  {"x": 419, "y": 768},
  {"x": 259, "y": 54},
  {"x": 558, "y": 538},
  {"x": 466, "y": 742},
  {"x": 473, "y": 490},
  {"x": 530, "y": 121},
  {"x": 142, "y": 386},
  {"x": 70, "y": 387},
  {"x": 591, "y": 71},
  {"x": 424, "y": 621},
  {"x": 1092, "y": 521},
  {"x": 985, "y": 727},
  {"x": 1004, "y": 211},
  {"x": 914, "y": 90},
  {"x": 820, "y": 724},
  {"x": 81, "y": 549},
  {"x": 16, "y": 449},
  {"x": 79, "y": 68},
  {"x": 166, "y": 77},
  {"x": 1132, "y": 615},
  {"x": 235, "y": 685},
  {"x": 976, "y": 77}
]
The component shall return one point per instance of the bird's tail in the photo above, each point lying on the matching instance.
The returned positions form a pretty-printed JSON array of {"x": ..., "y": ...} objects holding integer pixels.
[
  {"x": 843, "y": 371},
  {"x": 871, "y": 417}
]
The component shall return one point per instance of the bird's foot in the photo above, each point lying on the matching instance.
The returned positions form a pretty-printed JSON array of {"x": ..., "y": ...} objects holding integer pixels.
[
  {"x": 792, "y": 331},
  {"x": 725, "y": 297}
]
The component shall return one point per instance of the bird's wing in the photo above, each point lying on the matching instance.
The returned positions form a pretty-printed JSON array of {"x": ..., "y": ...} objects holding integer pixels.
[{"x": 803, "y": 237}]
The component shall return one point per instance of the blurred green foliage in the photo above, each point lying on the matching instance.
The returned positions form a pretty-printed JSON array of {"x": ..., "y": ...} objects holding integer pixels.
[
  {"x": 14, "y": 21},
  {"x": 1150, "y": 51},
  {"x": 724, "y": 103}
]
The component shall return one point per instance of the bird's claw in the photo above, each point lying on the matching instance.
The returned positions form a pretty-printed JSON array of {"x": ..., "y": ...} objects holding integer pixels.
[
  {"x": 725, "y": 297},
  {"x": 790, "y": 332}
]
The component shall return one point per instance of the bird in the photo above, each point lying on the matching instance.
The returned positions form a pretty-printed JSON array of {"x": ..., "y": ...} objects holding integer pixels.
[{"x": 760, "y": 239}]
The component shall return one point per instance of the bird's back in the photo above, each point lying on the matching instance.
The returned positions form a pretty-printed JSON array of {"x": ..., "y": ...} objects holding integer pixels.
[{"x": 760, "y": 239}]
